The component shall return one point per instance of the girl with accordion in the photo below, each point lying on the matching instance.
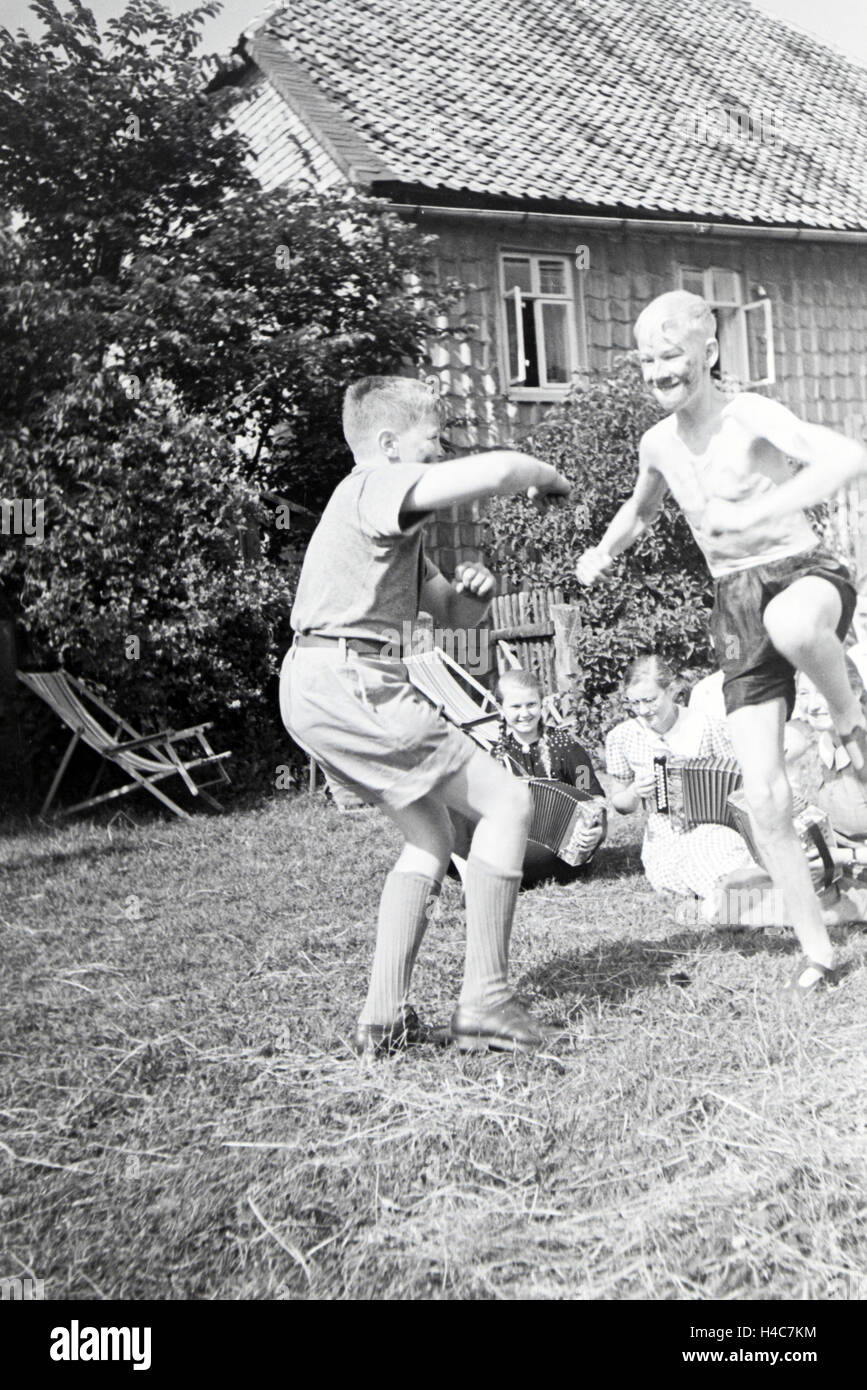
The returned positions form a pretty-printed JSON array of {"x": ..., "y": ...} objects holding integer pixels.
[
  {"x": 682, "y": 861},
  {"x": 569, "y": 808},
  {"x": 556, "y": 761}
]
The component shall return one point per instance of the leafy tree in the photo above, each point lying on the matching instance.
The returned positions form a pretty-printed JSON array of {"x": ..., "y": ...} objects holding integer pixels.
[
  {"x": 660, "y": 596},
  {"x": 174, "y": 343},
  {"x": 140, "y": 579}
]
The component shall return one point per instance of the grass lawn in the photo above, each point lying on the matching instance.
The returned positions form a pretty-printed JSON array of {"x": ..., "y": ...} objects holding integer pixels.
[{"x": 181, "y": 1116}]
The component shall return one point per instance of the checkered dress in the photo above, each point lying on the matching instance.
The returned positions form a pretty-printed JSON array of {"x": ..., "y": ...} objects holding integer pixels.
[{"x": 685, "y": 861}]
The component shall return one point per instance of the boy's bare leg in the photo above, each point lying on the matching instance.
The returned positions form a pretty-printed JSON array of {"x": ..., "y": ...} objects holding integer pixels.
[
  {"x": 500, "y": 807},
  {"x": 801, "y": 622},
  {"x": 408, "y": 898},
  {"x": 757, "y": 735}
]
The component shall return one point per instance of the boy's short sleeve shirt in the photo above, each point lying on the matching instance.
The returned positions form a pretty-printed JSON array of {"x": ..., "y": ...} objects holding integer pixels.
[{"x": 364, "y": 568}]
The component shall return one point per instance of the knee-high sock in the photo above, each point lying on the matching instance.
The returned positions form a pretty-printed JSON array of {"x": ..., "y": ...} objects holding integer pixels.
[
  {"x": 404, "y": 910},
  {"x": 491, "y": 896}
]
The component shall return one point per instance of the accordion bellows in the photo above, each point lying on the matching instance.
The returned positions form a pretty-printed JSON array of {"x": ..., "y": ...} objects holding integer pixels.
[
  {"x": 695, "y": 791},
  {"x": 560, "y": 813}
]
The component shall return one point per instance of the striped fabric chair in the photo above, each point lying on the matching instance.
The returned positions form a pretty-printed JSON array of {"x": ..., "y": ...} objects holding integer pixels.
[
  {"x": 147, "y": 759},
  {"x": 455, "y": 694}
]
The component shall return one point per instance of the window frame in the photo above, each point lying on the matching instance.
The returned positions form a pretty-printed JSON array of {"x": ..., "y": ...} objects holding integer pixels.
[
  {"x": 741, "y": 308},
  {"x": 572, "y": 298}
]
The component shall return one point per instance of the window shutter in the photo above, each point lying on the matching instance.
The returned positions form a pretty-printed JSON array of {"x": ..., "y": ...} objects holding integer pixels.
[
  {"x": 760, "y": 343},
  {"x": 520, "y": 376}
]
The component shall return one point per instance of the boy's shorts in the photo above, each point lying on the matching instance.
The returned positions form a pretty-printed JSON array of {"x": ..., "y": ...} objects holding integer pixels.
[
  {"x": 753, "y": 668},
  {"x": 367, "y": 726}
]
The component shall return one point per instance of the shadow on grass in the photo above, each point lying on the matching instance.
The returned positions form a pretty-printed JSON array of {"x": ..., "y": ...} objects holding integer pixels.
[
  {"x": 612, "y": 973},
  {"x": 612, "y": 862},
  {"x": 57, "y": 857}
]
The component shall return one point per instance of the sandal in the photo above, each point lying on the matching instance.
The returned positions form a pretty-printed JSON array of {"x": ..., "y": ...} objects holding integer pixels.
[{"x": 793, "y": 989}]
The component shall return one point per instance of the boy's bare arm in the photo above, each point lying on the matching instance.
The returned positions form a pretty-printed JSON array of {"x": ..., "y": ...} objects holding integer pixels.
[
  {"x": 496, "y": 474},
  {"x": 635, "y": 517},
  {"x": 832, "y": 461}
]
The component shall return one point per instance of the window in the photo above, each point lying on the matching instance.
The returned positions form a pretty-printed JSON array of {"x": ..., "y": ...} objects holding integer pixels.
[
  {"x": 744, "y": 327},
  {"x": 539, "y": 314}
]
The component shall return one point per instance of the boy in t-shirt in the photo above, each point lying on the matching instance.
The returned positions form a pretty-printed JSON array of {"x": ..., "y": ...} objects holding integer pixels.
[
  {"x": 782, "y": 602},
  {"x": 346, "y": 699}
]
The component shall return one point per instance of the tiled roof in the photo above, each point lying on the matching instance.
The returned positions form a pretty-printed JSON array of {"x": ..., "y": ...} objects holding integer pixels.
[{"x": 584, "y": 103}]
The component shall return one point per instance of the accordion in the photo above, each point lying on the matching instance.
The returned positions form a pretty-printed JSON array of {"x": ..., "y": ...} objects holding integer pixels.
[
  {"x": 813, "y": 830},
  {"x": 696, "y": 791},
  {"x": 560, "y": 813}
]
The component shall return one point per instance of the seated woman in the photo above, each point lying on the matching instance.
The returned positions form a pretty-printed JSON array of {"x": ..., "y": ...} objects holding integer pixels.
[
  {"x": 530, "y": 749},
  {"x": 675, "y": 861},
  {"x": 536, "y": 749}
]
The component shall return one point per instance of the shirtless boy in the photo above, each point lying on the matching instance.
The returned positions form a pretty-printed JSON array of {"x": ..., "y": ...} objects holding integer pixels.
[{"x": 782, "y": 602}]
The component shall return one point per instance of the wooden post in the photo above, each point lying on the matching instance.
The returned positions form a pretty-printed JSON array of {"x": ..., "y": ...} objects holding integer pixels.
[{"x": 566, "y": 618}]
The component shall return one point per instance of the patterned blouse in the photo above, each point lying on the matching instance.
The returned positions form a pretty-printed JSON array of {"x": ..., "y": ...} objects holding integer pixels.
[
  {"x": 555, "y": 754},
  {"x": 689, "y": 861}
]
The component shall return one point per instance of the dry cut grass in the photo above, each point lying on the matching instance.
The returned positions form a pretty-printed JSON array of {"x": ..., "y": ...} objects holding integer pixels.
[{"x": 182, "y": 1117}]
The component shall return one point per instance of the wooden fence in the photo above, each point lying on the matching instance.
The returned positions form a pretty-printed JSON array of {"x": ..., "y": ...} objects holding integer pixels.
[{"x": 541, "y": 633}]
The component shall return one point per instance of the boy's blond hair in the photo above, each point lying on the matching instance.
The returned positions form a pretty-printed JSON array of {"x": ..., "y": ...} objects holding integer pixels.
[
  {"x": 677, "y": 312},
  {"x": 384, "y": 403}
]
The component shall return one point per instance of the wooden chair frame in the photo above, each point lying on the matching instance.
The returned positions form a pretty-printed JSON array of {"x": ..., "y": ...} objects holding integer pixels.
[
  {"x": 456, "y": 694},
  {"x": 147, "y": 759}
]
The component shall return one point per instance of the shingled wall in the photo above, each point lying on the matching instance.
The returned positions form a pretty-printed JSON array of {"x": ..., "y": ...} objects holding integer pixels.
[{"x": 818, "y": 292}]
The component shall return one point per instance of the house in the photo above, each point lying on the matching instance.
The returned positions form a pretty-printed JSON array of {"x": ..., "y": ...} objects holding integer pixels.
[{"x": 576, "y": 158}]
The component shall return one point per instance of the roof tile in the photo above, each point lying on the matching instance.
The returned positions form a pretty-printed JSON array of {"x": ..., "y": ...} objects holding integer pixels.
[{"x": 588, "y": 104}]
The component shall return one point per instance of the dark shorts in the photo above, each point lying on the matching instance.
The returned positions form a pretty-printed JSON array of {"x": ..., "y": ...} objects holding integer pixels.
[{"x": 753, "y": 668}]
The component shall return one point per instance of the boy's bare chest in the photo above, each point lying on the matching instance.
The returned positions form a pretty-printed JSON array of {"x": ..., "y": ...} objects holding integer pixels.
[{"x": 726, "y": 461}]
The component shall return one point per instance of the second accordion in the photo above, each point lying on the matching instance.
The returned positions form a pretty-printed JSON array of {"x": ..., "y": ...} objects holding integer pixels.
[
  {"x": 695, "y": 791},
  {"x": 560, "y": 813}
]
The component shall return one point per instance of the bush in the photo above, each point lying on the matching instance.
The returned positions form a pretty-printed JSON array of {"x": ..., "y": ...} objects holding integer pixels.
[
  {"x": 661, "y": 595},
  {"x": 140, "y": 582},
  {"x": 174, "y": 344}
]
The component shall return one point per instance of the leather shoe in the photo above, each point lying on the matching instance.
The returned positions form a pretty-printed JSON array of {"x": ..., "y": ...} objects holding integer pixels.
[
  {"x": 508, "y": 1028},
  {"x": 383, "y": 1039}
]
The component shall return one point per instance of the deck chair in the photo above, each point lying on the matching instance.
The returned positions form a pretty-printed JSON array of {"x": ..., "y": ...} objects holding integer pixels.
[
  {"x": 146, "y": 758},
  {"x": 455, "y": 694}
]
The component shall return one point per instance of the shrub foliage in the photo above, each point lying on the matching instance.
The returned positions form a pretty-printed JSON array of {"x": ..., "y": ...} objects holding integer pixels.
[
  {"x": 174, "y": 343},
  {"x": 660, "y": 596}
]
